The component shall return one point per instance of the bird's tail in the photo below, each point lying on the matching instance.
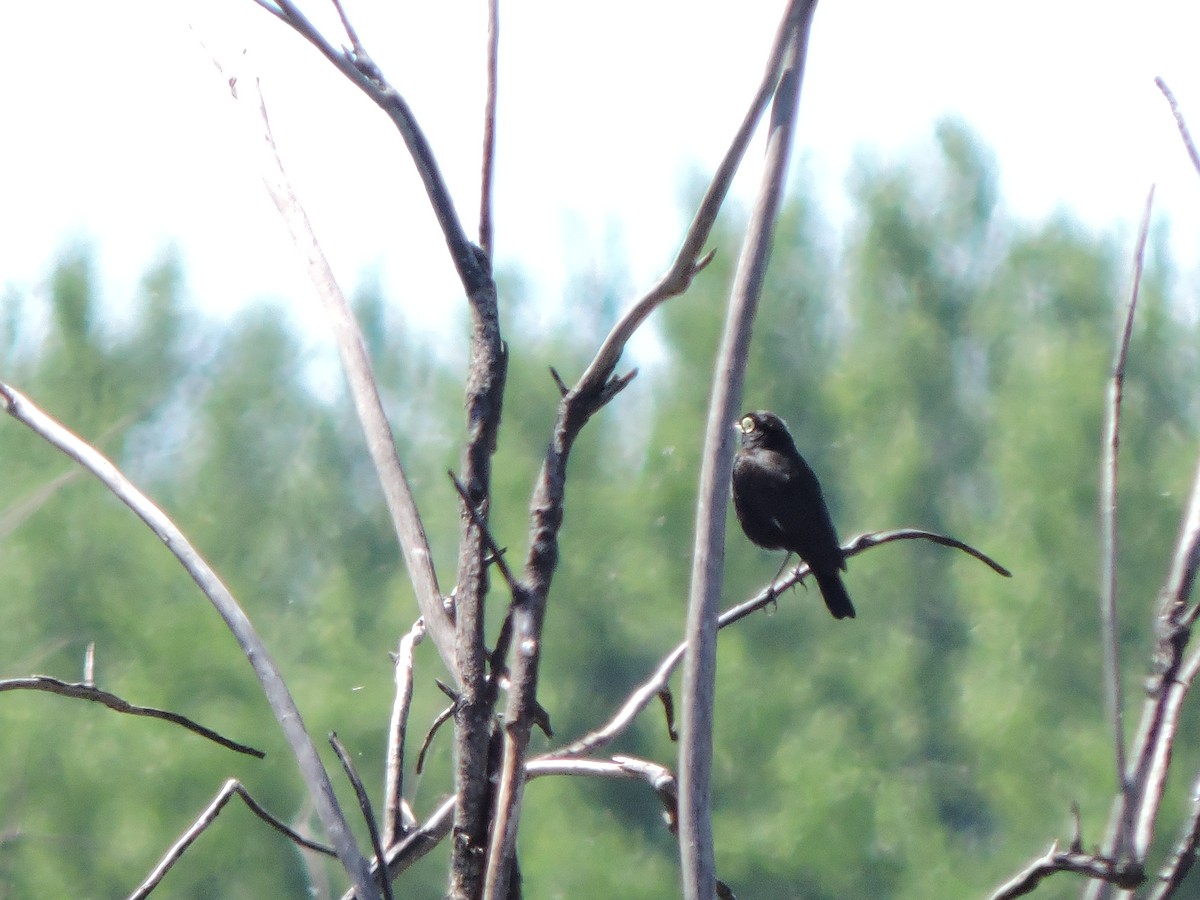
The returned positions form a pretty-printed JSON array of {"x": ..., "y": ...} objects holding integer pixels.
[{"x": 833, "y": 591}]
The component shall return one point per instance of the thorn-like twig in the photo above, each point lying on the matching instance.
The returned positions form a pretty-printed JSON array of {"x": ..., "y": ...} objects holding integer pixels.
[
  {"x": 563, "y": 390},
  {"x": 668, "y": 704}
]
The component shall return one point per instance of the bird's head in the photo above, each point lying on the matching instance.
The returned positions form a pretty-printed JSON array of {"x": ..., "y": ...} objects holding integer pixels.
[{"x": 764, "y": 430}]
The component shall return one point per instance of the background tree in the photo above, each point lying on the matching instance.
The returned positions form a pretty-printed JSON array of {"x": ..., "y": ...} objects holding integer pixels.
[{"x": 951, "y": 376}]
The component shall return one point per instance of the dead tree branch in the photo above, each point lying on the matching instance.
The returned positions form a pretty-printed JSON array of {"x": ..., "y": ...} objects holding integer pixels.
[
  {"x": 395, "y": 822},
  {"x": 697, "y": 854},
  {"x": 595, "y": 388},
  {"x": 274, "y": 688},
  {"x": 659, "y": 681},
  {"x": 360, "y": 377},
  {"x": 231, "y": 788},
  {"x": 1108, "y": 530},
  {"x": 88, "y": 691}
]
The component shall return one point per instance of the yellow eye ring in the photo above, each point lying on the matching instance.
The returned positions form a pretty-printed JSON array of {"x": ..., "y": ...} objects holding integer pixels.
[{"x": 747, "y": 424}]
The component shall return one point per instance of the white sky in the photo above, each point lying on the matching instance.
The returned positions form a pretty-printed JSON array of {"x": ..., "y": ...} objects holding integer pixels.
[{"x": 117, "y": 127}]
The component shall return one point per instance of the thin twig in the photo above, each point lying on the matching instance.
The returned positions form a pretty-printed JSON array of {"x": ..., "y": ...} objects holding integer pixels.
[
  {"x": 359, "y": 68},
  {"x": 228, "y": 790},
  {"x": 442, "y": 718},
  {"x": 394, "y": 823},
  {"x": 87, "y": 691},
  {"x": 1184, "y": 133},
  {"x": 364, "y": 804},
  {"x": 697, "y": 854},
  {"x": 643, "y": 695},
  {"x": 1108, "y": 529},
  {"x": 274, "y": 688},
  {"x": 496, "y": 550},
  {"x": 355, "y": 43},
  {"x": 489, "y": 130}
]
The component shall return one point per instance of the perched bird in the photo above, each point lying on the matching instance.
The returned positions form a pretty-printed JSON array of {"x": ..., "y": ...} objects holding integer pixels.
[{"x": 779, "y": 503}]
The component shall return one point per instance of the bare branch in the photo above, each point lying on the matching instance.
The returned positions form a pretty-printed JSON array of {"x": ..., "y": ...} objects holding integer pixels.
[
  {"x": 364, "y": 803},
  {"x": 394, "y": 824},
  {"x": 700, "y": 664},
  {"x": 1053, "y": 860},
  {"x": 1183, "y": 855},
  {"x": 355, "y": 43},
  {"x": 358, "y": 66},
  {"x": 416, "y": 844},
  {"x": 654, "y": 686},
  {"x": 578, "y": 404},
  {"x": 688, "y": 261},
  {"x": 495, "y": 549},
  {"x": 352, "y": 350},
  {"x": 1188, "y": 143},
  {"x": 231, "y": 788},
  {"x": 623, "y": 767},
  {"x": 88, "y": 691},
  {"x": 1108, "y": 529},
  {"x": 274, "y": 688},
  {"x": 489, "y": 130},
  {"x": 1170, "y": 680},
  {"x": 861, "y": 542}
]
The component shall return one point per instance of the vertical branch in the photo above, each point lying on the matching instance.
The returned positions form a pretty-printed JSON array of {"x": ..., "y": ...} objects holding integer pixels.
[
  {"x": 699, "y": 673},
  {"x": 393, "y": 812},
  {"x": 489, "y": 130},
  {"x": 1108, "y": 527},
  {"x": 474, "y": 709}
]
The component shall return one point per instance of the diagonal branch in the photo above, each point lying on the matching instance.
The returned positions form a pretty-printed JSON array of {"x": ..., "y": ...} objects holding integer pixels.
[
  {"x": 360, "y": 378},
  {"x": 358, "y": 66},
  {"x": 1184, "y": 133},
  {"x": 274, "y": 688},
  {"x": 88, "y": 691},
  {"x": 644, "y": 694},
  {"x": 230, "y": 789}
]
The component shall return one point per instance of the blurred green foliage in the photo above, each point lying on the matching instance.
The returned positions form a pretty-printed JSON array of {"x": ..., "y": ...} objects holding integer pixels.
[{"x": 941, "y": 365}]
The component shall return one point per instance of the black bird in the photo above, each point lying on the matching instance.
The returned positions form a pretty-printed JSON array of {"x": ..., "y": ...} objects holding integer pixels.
[{"x": 779, "y": 503}]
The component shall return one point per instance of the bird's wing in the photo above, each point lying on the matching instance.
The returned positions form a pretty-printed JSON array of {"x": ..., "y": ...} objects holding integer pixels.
[{"x": 804, "y": 517}]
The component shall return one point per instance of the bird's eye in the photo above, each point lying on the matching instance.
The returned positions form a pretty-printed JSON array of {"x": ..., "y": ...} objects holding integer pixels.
[{"x": 747, "y": 424}]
